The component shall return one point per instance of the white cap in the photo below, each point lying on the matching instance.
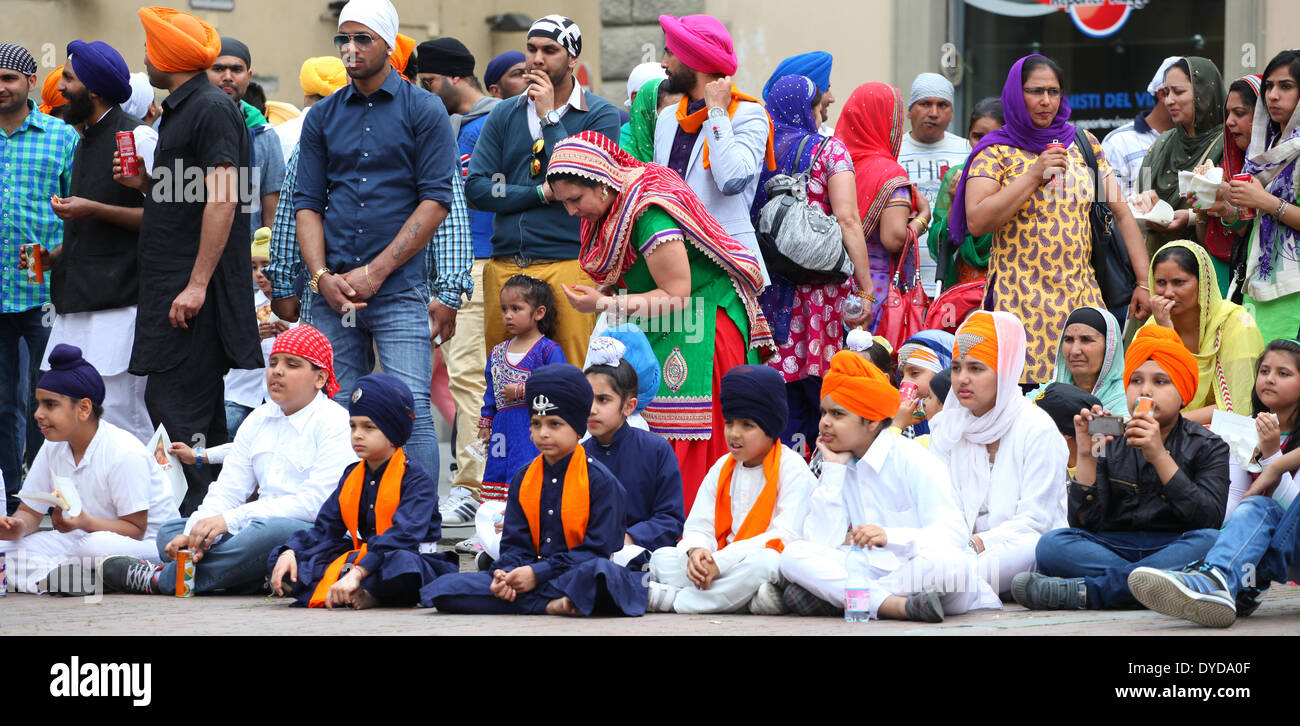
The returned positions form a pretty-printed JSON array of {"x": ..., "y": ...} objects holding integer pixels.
[
  {"x": 640, "y": 76},
  {"x": 1158, "y": 82}
]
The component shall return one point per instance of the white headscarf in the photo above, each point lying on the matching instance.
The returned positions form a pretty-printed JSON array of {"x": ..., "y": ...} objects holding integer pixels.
[
  {"x": 378, "y": 15},
  {"x": 141, "y": 96}
]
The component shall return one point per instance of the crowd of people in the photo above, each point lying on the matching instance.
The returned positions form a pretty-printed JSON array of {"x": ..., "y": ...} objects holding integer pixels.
[{"x": 773, "y": 412}]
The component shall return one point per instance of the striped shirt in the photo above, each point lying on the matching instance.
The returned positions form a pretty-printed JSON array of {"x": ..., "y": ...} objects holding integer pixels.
[
  {"x": 1125, "y": 148},
  {"x": 35, "y": 164}
]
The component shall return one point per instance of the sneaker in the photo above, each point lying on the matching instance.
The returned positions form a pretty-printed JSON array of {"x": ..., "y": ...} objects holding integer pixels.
[
  {"x": 800, "y": 601},
  {"x": 69, "y": 580},
  {"x": 483, "y": 561},
  {"x": 1198, "y": 594},
  {"x": 459, "y": 508},
  {"x": 767, "y": 601},
  {"x": 660, "y": 597},
  {"x": 1037, "y": 591},
  {"x": 470, "y": 546},
  {"x": 924, "y": 607},
  {"x": 122, "y": 573},
  {"x": 1248, "y": 599}
]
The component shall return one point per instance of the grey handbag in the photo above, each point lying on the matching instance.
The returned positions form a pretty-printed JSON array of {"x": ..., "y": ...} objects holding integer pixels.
[{"x": 799, "y": 241}]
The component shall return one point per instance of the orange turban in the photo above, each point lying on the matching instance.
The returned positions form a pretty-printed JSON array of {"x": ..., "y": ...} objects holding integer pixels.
[
  {"x": 1162, "y": 345},
  {"x": 402, "y": 54},
  {"x": 978, "y": 338},
  {"x": 860, "y": 387},
  {"x": 176, "y": 42},
  {"x": 50, "y": 96}
]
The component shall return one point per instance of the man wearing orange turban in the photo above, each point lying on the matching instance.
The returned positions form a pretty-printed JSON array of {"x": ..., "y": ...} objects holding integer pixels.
[
  {"x": 193, "y": 320},
  {"x": 892, "y": 496},
  {"x": 1156, "y": 499},
  {"x": 52, "y": 102}
]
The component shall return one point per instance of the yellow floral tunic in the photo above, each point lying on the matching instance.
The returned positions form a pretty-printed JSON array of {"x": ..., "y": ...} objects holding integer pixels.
[{"x": 1040, "y": 265}]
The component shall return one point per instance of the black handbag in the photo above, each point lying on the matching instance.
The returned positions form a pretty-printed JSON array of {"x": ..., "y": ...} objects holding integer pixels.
[{"x": 1110, "y": 259}]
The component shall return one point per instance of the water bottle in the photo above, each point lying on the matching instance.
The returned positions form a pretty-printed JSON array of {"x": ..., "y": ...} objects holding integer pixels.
[
  {"x": 852, "y": 306},
  {"x": 857, "y": 588}
]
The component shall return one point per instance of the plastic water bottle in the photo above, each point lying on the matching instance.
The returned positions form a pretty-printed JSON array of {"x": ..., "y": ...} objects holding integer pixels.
[
  {"x": 852, "y": 307},
  {"x": 857, "y": 588}
]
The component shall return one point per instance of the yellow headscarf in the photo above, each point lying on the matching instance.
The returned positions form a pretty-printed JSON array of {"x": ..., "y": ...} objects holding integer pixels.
[
  {"x": 322, "y": 75},
  {"x": 1229, "y": 341}
]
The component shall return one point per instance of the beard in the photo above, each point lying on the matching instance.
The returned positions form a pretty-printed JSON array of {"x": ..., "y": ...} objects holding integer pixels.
[
  {"x": 683, "y": 81},
  {"x": 78, "y": 108}
]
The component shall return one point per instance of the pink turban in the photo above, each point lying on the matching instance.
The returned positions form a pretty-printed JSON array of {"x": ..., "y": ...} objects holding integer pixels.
[{"x": 701, "y": 42}]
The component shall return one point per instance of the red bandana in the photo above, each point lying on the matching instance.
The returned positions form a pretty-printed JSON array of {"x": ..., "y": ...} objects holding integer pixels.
[{"x": 309, "y": 343}]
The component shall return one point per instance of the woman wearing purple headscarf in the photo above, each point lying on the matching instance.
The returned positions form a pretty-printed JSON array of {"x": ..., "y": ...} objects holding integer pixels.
[
  {"x": 805, "y": 319},
  {"x": 1040, "y": 264}
]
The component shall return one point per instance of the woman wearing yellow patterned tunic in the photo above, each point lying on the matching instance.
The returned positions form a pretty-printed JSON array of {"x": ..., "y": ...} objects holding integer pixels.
[{"x": 1040, "y": 264}]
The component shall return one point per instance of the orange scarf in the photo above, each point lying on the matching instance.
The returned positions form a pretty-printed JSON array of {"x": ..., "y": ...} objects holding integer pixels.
[
  {"x": 760, "y": 515},
  {"x": 390, "y": 493},
  {"x": 575, "y": 502},
  {"x": 691, "y": 123}
]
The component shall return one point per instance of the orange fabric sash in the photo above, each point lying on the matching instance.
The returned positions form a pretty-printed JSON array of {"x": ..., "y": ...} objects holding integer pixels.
[
  {"x": 691, "y": 123},
  {"x": 575, "y": 502},
  {"x": 390, "y": 493},
  {"x": 760, "y": 515}
]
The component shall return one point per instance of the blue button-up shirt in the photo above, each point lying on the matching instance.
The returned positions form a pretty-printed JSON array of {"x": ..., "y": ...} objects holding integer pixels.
[
  {"x": 366, "y": 162},
  {"x": 35, "y": 164}
]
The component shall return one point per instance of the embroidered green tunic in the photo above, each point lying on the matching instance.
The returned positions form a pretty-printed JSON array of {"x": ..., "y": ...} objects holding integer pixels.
[{"x": 684, "y": 341}]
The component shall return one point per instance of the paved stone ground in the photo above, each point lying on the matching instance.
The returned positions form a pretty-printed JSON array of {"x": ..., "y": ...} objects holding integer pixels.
[{"x": 139, "y": 615}]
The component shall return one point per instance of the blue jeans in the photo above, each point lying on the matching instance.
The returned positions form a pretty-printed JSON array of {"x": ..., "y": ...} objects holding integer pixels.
[
  {"x": 235, "y": 564},
  {"x": 1105, "y": 559},
  {"x": 1257, "y": 545},
  {"x": 235, "y": 415},
  {"x": 18, "y": 402},
  {"x": 396, "y": 325}
]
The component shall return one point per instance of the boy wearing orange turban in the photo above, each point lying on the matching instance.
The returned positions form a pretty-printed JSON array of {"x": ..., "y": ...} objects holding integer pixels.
[
  {"x": 889, "y": 494},
  {"x": 1152, "y": 498}
]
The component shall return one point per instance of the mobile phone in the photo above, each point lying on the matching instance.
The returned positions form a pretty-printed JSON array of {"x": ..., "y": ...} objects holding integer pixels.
[{"x": 1106, "y": 426}]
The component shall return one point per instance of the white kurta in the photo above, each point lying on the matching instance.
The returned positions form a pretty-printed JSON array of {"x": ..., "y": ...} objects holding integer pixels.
[
  {"x": 115, "y": 477},
  {"x": 902, "y": 488},
  {"x": 746, "y": 564},
  {"x": 1016, "y": 499}
]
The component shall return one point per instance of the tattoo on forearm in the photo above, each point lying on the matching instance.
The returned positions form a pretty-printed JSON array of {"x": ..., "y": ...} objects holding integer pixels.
[{"x": 412, "y": 231}]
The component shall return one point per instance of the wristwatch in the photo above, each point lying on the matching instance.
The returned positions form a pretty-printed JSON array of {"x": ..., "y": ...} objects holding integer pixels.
[
  {"x": 552, "y": 118},
  {"x": 314, "y": 282},
  {"x": 717, "y": 112}
]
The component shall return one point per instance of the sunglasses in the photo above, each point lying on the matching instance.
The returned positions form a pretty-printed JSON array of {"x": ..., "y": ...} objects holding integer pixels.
[
  {"x": 361, "y": 40},
  {"x": 535, "y": 165}
]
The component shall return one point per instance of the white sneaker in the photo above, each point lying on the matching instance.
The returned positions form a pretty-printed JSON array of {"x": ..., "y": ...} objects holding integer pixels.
[
  {"x": 768, "y": 601},
  {"x": 661, "y": 597},
  {"x": 459, "y": 508},
  {"x": 470, "y": 546}
]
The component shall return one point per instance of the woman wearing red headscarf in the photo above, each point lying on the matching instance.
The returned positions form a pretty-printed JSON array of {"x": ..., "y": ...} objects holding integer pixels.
[
  {"x": 691, "y": 288},
  {"x": 893, "y": 214}
]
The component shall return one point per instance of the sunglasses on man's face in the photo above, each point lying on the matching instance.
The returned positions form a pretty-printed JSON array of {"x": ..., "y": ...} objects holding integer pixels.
[
  {"x": 361, "y": 40},
  {"x": 535, "y": 165}
]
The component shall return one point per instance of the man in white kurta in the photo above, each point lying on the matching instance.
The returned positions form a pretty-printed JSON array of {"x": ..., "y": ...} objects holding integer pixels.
[
  {"x": 898, "y": 486},
  {"x": 743, "y": 565}
]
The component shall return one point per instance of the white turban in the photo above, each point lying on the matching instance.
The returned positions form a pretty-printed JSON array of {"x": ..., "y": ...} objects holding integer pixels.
[
  {"x": 141, "y": 96},
  {"x": 378, "y": 15},
  {"x": 642, "y": 75},
  {"x": 930, "y": 85}
]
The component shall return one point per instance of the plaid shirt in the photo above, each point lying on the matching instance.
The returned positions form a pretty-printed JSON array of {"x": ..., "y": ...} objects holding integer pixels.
[
  {"x": 35, "y": 164},
  {"x": 449, "y": 254}
]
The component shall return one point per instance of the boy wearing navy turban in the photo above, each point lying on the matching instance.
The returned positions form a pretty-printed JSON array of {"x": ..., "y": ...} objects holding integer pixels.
[
  {"x": 564, "y": 518},
  {"x": 363, "y": 550},
  {"x": 111, "y": 498}
]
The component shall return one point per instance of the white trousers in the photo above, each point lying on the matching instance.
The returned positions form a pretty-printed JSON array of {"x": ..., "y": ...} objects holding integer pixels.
[
  {"x": 955, "y": 575},
  {"x": 30, "y": 559},
  {"x": 124, "y": 405},
  {"x": 1007, "y": 561},
  {"x": 727, "y": 593}
]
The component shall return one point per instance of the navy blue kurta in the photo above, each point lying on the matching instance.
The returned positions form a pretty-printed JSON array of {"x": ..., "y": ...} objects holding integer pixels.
[
  {"x": 652, "y": 484},
  {"x": 583, "y": 573},
  {"x": 397, "y": 568}
]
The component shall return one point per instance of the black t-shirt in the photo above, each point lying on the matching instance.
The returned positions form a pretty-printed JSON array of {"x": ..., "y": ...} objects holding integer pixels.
[{"x": 201, "y": 129}]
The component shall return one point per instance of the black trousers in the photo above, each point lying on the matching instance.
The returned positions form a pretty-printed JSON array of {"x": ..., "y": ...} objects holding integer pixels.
[{"x": 190, "y": 400}]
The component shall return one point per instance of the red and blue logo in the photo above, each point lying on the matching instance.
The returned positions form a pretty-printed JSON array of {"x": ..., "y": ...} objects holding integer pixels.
[{"x": 1097, "y": 19}]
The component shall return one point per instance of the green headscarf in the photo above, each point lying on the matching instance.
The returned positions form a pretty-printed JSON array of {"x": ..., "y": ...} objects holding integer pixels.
[
  {"x": 1109, "y": 388},
  {"x": 640, "y": 138},
  {"x": 1175, "y": 151}
]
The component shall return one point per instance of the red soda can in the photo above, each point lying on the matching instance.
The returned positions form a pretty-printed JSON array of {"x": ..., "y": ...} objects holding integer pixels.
[
  {"x": 1057, "y": 183},
  {"x": 126, "y": 152},
  {"x": 908, "y": 390},
  {"x": 1247, "y": 212},
  {"x": 184, "y": 573},
  {"x": 35, "y": 263}
]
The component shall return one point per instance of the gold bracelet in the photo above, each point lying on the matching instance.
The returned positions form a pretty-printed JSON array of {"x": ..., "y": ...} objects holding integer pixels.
[{"x": 370, "y": 282}]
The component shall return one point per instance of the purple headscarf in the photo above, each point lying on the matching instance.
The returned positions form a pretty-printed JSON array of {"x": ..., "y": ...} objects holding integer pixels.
[
  {"x": 1018, "y": 131},
  {"x": 789, "y": 103}
]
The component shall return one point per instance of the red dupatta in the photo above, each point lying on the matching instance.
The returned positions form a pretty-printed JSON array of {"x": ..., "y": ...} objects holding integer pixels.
[
  {"x": 871, "y": 127},
  {"x": 1219, "y": 240}
]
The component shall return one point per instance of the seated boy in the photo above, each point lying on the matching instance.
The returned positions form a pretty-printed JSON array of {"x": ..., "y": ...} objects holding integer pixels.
[
  {"x": 124, "y": 496},
  {"x": 289, "y": 451},
  {"x": 1257, "y": 547},
  {"x": 887, "y": 493},
  {"x": 564, "y": 517},
  {"x": 363, "y": 550},
  {"x": 751, "y": 501},
  {"x": 1156, "y": 499}
]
